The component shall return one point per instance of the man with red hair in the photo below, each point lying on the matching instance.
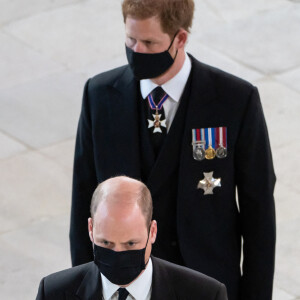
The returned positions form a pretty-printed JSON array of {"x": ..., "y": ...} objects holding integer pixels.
[{"x": 194, "y": 135}]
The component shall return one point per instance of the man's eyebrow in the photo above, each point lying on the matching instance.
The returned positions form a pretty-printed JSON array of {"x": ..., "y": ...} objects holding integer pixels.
[
  {"x": 152, "y": 39},
  {"x": 131, "y": 240},
  {"x": 103, "y": 239}
]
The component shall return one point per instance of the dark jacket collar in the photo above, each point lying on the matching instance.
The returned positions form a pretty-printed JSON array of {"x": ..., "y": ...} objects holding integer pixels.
[
  {"x": 162, "y": 287},
  {"x": 91, "y": 286}
]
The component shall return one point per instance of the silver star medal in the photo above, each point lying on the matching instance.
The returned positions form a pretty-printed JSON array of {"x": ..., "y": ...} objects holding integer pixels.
[
  {"x": 208, "y": 183},
  {"x": 157, "y": 123}
]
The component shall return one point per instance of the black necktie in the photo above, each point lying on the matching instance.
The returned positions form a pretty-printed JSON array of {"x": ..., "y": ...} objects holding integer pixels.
[
  {"x": 156, "y": 118},
  {"x": 123, "y": 293}
]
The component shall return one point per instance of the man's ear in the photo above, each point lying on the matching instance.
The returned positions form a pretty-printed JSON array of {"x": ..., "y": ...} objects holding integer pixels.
[
  {"x": 90, "y": 229},
  {"x": 181, "y": 38},
  {"x": 153, "y": 231}
]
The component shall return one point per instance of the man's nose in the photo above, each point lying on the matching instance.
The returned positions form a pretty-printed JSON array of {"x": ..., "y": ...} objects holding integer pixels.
[
  {"x": 117, "y": 248},
  {"x": 139, "y": 47}
]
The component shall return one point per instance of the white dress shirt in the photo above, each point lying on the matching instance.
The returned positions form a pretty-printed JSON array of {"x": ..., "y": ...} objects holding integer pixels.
[
  {"x": 140, "y": 289},
  {"x": 174, "y": 88}
]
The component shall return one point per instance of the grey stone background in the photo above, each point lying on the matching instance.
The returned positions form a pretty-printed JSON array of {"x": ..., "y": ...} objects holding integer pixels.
[{"x": 48, "y": 49}]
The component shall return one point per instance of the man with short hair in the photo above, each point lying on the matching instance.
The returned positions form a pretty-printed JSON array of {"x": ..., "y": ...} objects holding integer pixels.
[
  {"x": 193, "y": 134},
  {"x": 122, "y": 232}
]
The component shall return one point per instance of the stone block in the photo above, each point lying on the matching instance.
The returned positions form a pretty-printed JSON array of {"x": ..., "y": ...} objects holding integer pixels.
[
  {"x": 77, "y": 35},
  {"x": 32, "y": 187},
  {"x": 61, "y": 153},
  {"x": 279, "y": 294},
  {"x": 13, "y": 10},
  {"x": 291, "y": 79},
  {"x": 266, "y": 43},
  {"x": 10, "y": 147},
  {"x": 282, "y": 109},
  {"x": 43, "y": 112},
  {"x": 231, "y": 10},
  {"x": 32, "y": 252},
  {"x": 217, "y": 59},
  {"x": 19, "y": 63}
]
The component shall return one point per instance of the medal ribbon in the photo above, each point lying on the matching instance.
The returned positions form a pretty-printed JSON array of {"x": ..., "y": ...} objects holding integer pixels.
[
  {"x": 202, "y": 136},
  {"x": 160, "y": 103},
  {"x": 210, "y": 133},
  {"x": 214, "y": 137},
  {"x": 196, "y": 136},
  {"x": 221, "y": 137}
]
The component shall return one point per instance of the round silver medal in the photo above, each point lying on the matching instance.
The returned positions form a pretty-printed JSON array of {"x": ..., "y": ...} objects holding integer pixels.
[
  {"x": 199, "y": 153},
  {"x": 221, "y": 152}
]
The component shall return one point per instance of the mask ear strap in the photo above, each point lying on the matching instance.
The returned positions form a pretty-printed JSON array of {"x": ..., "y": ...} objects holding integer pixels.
[
  {"x": 173, "y": 41},
  {"x": 148, "y": 234},
  {"x": 147, "y": 242},
  {"x": 93, "y": 235}
]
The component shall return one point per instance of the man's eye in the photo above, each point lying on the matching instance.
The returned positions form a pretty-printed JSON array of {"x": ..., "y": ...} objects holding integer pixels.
[
  {"x": 130, "y": 41},
  {"x": 105, "y": 243},
  {"x": 131, "y": 244}
]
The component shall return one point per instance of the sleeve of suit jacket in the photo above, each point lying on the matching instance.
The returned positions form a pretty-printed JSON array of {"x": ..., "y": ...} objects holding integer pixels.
[
  {"x": 255, "y": 181},
  {"x": 222, "y": 293},
  {"x": 84, "y": 184},
  {"x": 40, "y": 295}
]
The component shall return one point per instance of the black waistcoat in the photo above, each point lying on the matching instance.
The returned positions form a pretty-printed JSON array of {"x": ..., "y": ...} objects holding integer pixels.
[{"x": 161, "y": 176}]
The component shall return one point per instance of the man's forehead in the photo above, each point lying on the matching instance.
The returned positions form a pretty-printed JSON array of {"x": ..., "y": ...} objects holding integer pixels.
[
  {"x": 116, "y": 209},
  {"x": 112, "y": 227},
  {"x": 148, "y": 25}
]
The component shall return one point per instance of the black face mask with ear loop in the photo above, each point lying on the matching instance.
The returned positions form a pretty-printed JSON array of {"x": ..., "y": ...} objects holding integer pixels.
[
  {"x": 121, "y": 267},
  {"x": 150, "y": 65}
]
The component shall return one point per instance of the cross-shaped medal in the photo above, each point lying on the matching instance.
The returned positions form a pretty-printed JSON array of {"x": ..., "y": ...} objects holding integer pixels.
[{"x": 157, "y": 122}]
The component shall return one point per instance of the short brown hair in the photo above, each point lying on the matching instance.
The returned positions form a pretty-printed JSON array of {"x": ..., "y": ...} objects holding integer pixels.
[
  {"x": 143, "y": 195},
  {"x": 173, "y": 14}
]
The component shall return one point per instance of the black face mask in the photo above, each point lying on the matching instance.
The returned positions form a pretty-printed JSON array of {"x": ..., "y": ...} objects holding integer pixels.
[
  {"x": 122, "y": 267},
  {"x": 150, "y": 65}
]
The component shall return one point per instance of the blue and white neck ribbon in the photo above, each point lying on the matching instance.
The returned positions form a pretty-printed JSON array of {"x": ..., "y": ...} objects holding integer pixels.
[{"x": 160, "y": 103}]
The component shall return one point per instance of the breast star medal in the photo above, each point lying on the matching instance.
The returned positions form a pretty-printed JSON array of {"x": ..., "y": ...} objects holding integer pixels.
[
  {"x": 157, "y": 123},
  {"x": 208, "y": 183}
]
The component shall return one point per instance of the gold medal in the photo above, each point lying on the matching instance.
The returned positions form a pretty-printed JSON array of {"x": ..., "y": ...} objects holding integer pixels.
[{"x": 210, "y": 153}]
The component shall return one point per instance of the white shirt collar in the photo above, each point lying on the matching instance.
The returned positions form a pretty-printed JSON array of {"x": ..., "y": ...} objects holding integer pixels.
[
  {"x": 139, "y": 289},
  {"x": 174, "y": 87}
]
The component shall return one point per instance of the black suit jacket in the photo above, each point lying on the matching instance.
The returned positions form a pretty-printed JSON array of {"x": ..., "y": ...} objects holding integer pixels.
[
  {"x": 169, "y": 282},
  {"x": 210, "y": 228}
]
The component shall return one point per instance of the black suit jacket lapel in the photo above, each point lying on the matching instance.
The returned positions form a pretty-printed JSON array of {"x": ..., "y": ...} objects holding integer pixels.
[
  {"x": 162, "y": 288},
  {"x": 124, "y": 125},
  {"x": 201, "y": 94},
  {"x": 199, "y": 113},
  {"x": 90, "y": 287},
  {"x": 168, "y": 157}
]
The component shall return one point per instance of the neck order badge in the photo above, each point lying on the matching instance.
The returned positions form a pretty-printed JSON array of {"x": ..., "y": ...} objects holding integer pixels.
[{"x": 157, "y": 96}]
